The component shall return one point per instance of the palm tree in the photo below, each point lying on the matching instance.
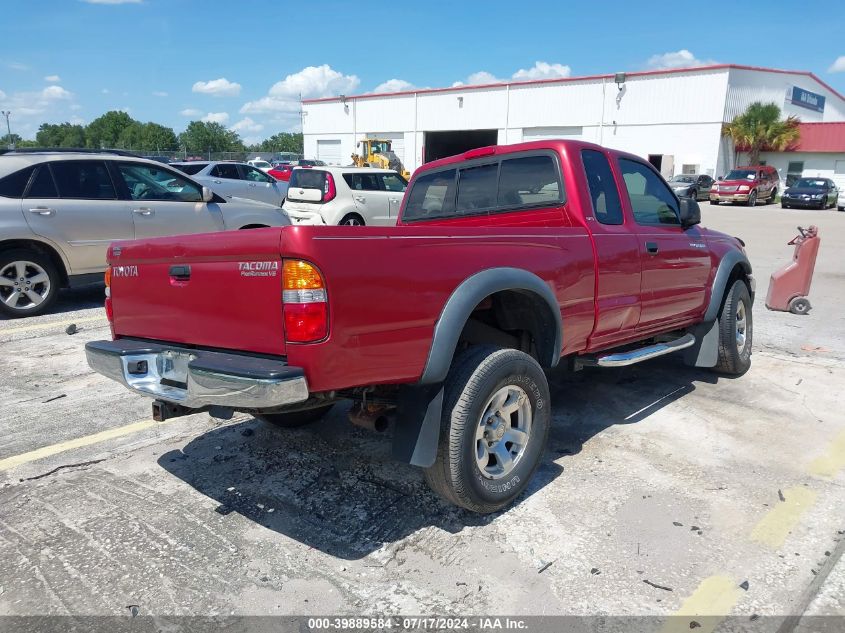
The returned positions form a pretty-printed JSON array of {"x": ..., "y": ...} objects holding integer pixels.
[{"x": 761, "y": 127}]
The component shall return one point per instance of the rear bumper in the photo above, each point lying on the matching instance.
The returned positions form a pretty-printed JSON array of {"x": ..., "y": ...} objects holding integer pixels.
[
  {"x": 306, "y": 218},
  {"x": 198, "y": 379}
]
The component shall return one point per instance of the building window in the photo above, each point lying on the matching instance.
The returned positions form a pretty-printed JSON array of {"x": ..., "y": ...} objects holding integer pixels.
[
  {"x": 793, "y": 171},
  {"x": 689, "y": 169}
]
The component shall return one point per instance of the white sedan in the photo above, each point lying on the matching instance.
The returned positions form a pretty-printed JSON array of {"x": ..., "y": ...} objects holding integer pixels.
[{"x": 236, "y": 179}]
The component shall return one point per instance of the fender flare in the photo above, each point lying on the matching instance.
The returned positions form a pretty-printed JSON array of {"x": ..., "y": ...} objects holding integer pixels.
[
  {"x": 720, "y": 282},
  {"x": 463, "y": 301}
]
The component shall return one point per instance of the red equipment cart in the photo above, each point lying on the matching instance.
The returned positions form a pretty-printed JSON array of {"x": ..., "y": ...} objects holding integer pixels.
[{"x": 789, "y": 286}]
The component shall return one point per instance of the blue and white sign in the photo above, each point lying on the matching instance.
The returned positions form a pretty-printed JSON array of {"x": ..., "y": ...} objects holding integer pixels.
[{"x": 807, "y": 99}]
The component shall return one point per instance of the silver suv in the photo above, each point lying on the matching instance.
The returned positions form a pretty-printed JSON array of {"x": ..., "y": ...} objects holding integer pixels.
[{"x": 59, "y": 211}]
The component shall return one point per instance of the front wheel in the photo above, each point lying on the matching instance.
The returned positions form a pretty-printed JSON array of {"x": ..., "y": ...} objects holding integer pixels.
[
  {"x": 752, "y": 199},
  {"x": 351, "y": 219},
  {"x": 493, "y": 430},
  {"x": 736, "y": 329}
]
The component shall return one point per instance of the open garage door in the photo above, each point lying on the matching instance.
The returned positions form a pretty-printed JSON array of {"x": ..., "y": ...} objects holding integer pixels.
[
  {"x": 442, "y": 144},
  {"x": 328, "y": 151},
  {"x": 397, "y": 142}
]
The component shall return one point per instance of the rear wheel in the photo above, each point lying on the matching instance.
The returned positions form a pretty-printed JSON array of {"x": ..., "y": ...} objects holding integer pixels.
[
  {"x": 352, "y": 219},
  {"x": 736, "y": 329},
  {"x": 29, "y": 283},
  {"x": 295, "y": 418},
  {"x": 799, "y": 305},
  {"x": 494, "y": 428}
]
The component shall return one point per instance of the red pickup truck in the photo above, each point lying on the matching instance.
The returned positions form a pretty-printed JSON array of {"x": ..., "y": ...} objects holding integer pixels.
[{"x": 505, "y": 262}]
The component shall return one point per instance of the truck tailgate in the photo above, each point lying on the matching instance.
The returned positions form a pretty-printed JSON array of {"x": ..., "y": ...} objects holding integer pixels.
[{"x": 218, "y": 290}]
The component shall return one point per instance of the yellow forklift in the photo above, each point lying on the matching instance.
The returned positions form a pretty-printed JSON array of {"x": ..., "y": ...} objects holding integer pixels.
[{"x": 378, "y": 152}]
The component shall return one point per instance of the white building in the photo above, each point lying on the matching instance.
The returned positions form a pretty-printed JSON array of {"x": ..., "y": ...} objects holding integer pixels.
[{"x": 671, "y": 117}]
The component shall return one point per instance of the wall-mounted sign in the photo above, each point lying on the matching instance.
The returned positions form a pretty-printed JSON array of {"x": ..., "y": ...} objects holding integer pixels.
[{"x": 806, "y": 99}]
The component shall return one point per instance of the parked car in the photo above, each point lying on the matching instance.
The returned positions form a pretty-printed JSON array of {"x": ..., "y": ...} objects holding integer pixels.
[
  {"x": 840, "y": 200},
  {"x": 695, "y": 186},
  {"x": 282, "y": 171},
  {"x": 747, "y": 184},
  {"x": 261, "y": 164},
  {"x": 59, "y": 211},
  {"x": 352, "y": 196},
  {"x": 236, "y": 179},
  {"x": 505, "y": 262},
  {"x": 810, "y": 193}
]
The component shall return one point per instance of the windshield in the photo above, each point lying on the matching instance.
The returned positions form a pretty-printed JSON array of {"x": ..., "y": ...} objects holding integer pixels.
[
  {"x": 741, "y": 174},
  {"x": 810, "y": 183},
  {"x": 682, "y": 178},
  {"x": 190, "y": 168},
  {"x": 261, "y": 164}
]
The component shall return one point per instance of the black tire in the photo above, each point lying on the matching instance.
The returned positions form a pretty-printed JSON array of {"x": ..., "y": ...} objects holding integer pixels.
[
  {"x": 840, "y": 208},
  {"x": 752, "y": 199},
  {"x": 783, "y": 205},
  {"x": 295, "y": 418},
  {"x": 734, "y": 359},
  {"x": 773, "y": 197},
  {"x": 799, "y": 305},
  {"x": 715, "y": 203},
  {"x": 351, "y": 219},
  {"x": 49, "y": 290},
  {"x": 476, "y": 376}
]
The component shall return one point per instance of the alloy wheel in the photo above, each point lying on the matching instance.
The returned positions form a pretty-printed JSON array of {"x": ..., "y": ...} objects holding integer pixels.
[
  {"x": 24, "y": 285},
  {"x": 503, "y": 432}
]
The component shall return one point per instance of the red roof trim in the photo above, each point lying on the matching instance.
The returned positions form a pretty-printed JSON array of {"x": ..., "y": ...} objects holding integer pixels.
[
  {"x": 560, "y": 80},
  {"x": 823, "y": 138}
]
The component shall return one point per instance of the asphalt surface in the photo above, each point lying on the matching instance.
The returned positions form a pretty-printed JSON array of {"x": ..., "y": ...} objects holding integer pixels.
[{"x": 665, "y": 490}]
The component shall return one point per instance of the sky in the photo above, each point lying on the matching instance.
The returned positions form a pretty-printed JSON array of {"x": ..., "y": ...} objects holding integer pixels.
[{"x": 245, "y": 63}]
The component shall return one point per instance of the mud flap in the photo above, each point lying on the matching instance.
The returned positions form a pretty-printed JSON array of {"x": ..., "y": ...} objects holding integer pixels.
[
  {"x": 418, "y": 424},
  {"x": 705, "y": 352}
]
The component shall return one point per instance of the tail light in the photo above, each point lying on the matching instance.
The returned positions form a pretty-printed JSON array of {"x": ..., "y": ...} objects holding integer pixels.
[
  {"x": 109, "y": 312},
  {"x": 329, "y": 190},
  {"x": 306, "y": 312}
]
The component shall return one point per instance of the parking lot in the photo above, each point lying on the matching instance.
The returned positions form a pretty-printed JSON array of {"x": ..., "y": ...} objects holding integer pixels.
[{"x": 665, "y": 490}]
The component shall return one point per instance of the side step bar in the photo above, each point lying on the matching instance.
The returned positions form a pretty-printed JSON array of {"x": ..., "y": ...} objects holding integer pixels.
[{"x": 630, "y": 357}]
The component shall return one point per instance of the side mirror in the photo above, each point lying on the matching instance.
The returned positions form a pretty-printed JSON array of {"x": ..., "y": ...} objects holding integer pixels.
[
  {"x": 207, "y": 194},
  {"x": 690, "y": 212}
]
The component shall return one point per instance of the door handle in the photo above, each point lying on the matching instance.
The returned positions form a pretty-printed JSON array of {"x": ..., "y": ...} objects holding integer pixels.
[
  {"x": 217, "y": 182},
  {"x": 43, "y": 211},
  {"x": 252, "y": 184},
  {"x": 651, "y": 247},
  {"x": 145, "y": 211},
  {"x": 394, "y": 199},
  {"x": 360, "y": 199}
]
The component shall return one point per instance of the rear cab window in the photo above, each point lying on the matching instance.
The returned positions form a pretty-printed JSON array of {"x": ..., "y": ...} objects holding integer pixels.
[{"x": 503, "y": 184}]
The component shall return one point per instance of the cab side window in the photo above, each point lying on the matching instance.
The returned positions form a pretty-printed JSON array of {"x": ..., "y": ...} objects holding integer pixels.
[
  {"x": 254, "y": 174},
  {"x": 42, "y": 186},
  {"x": 603, "y": 193},
  {"x": 432, "y": 196},
  {"x": 651, "y": 199},
  {"x": 83, "y": 180}
]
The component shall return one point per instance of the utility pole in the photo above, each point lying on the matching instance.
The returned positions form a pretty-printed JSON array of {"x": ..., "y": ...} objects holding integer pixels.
[{"x": 7, "y": 114}]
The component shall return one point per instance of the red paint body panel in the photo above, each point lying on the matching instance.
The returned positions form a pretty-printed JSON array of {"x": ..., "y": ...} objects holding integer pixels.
[{"x": 387, "y": 286}]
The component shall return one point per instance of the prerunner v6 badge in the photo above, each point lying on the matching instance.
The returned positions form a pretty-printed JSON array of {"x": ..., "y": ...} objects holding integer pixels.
[{"x": 258, "y": 269}]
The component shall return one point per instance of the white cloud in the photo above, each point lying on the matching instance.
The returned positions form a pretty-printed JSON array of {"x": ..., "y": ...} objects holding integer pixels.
[
  {"x": 113, "y": 1},
  {"x": 394, "y": 85},
  {"x": 216, "y": 117},
  {"x": 52, "y": 78},
  {"x": 159, "y": 93},
  {"x": 105, "y": 91},
  {"x": 543, "y": 70},
  {"x": 55, "y": 92},
  {"x": 312, "y": 82},
  {"x": 76, "y": 120},
  {"x": 838, "y": 66},
  {"x": 190, "y": 112},
  {"x": 677, "y": 59},
  {"x": 17, "y": 66},
  {"x": 2, "y": 96},
  {"x": 218, "y": 87},
  {"x": 247, "y": 126}
]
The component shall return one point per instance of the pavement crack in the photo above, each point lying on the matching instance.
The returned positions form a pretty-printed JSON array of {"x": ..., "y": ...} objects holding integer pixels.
[{"x": 63, "y": 466}]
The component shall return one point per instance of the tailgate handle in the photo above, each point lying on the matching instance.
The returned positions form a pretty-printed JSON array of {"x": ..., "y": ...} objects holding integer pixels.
[{"x": 180, "y": 272}]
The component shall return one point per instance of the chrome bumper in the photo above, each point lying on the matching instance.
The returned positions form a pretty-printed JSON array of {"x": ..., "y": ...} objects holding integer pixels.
[{"x": 197, "y": 378}]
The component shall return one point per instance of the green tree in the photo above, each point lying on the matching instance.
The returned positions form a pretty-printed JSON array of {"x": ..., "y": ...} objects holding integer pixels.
[
  {"x": 761, "y": 127},
  {"x": 147, "y": 137},
  {"x": 205, "y": 136},
  {"x": 13, "y": 139},
  {"x": 106, "y": 130},
  {"x": 282, "y": 142},
  {"x": 60, "y": 135}
]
